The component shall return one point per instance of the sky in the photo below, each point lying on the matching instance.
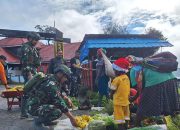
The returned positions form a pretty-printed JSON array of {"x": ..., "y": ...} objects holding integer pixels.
[{"x": 75, "y": 18}]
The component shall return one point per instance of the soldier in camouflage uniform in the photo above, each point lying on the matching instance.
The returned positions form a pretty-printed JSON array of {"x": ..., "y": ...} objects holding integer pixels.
[
  {"x": 30, "y": 60},
  {"x": 47, "y": 102},
  {"x": 55, "y": 62}
]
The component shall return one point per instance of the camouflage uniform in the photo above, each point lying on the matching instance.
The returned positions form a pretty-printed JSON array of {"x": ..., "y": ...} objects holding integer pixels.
[
  {"x": 30, "y": 59},
  {"x": 46, "y": 102}
]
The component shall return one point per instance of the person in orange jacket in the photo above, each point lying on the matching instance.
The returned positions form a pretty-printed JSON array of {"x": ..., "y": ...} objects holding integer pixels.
[{"x": 2, "y": 72}]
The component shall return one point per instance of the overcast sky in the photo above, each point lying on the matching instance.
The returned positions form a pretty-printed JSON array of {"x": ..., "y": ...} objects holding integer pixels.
[{"x": 78, "y": 17}]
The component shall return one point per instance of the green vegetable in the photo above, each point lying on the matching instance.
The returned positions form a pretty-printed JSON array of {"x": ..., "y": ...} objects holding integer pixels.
[
  {"x": 108, "y": 120},
  {"x": 173, "y": 123},
  {"x": 97, "y": 125},
  {"x": 109, "y": 107},
  {"x": 147, "y": 128},
  {"x": 75, "y": 101}
]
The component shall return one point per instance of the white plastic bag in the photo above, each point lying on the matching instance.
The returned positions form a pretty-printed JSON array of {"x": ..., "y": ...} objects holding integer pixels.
[{"x": 108, "y": 66}]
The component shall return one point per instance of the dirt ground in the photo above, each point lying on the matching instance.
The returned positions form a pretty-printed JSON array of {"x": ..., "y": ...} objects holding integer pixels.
[{"x": 9, "y": 120}]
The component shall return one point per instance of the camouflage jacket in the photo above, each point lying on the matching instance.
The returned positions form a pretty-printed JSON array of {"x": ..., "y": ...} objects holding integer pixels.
[
  {"x": 55, "y": 63},
  {"x": 48, "y": 92},
  {"x": 30, "y": 58}
]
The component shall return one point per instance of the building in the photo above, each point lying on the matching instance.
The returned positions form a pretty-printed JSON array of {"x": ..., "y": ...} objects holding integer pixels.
[
  {"x": 10, "y": 47},
  {"x": 140, "y": 45}
]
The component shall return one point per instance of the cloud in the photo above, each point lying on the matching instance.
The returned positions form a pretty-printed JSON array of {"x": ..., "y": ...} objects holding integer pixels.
[
  {"x": 78, "y": 17},
  {"x": 75, "y": 25}
]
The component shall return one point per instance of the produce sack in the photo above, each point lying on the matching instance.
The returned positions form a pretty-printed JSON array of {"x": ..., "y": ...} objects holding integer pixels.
[
  {"x": 108, "y": 66},
  {"x": 164, "y": 62}
]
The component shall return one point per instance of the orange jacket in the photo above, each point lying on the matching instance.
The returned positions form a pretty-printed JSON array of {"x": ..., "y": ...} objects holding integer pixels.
[{"x": 2, "y": 74}]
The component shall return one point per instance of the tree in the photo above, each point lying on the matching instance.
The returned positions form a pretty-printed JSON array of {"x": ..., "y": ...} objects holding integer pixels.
[
  {"x": 155, "y": 33},
  {"x": 45, "y": 28},
  {"x": 115, "y": 28}
]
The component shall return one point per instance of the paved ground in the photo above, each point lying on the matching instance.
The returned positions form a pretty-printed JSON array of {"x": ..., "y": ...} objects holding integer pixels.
[{"x": 9, "y": 120}]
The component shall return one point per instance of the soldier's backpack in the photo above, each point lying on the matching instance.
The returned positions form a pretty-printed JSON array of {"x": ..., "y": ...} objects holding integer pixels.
[
  {"x": 164, "y": 62},
  {"x": 37, "y": 79}
]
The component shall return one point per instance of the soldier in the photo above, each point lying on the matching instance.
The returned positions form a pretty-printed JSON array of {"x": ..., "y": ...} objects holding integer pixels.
[
  {"x": 76, "y": 74},
  {"x": 55, "y": 62},
  {"x": 47, "y": 102},
  {"x": 30, "y": 60}
]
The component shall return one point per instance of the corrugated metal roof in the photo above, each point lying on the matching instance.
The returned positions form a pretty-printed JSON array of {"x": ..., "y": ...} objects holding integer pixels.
[
  {"x": 47, "y": 51},
  {"x": 119, "y": 41},
  {"x": 126, "y": 43},
  {"x": 10, "y": 58},
  {"x": 12, "y": 42}
]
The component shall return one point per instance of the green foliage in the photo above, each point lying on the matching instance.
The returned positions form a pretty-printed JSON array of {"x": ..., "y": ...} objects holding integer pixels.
[
  {"x": 75, "y": 101},
  {"x": 109, "y": 107},
  {"x": 93, "y": 96},
  {"x": 146, "y": 128},
  {"x": 173, "y": 123},
  {"x": 95, "y": 112},
  {"x": 108, "y": 120},
  {"x": 110, "y": 125},
  {"x": 155, "y": 33}
]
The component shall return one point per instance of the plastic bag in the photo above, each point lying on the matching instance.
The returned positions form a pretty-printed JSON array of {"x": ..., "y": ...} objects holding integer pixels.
[{"x": 108, "y": 66}]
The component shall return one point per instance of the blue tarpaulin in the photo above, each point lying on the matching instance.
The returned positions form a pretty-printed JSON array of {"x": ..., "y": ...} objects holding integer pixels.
[{"x": 121, "y": 43}]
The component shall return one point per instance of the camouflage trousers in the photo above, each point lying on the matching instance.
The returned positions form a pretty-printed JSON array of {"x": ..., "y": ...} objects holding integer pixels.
[
  {"x": 45, "y": 113},
  {"x": 25, "y": 96}
]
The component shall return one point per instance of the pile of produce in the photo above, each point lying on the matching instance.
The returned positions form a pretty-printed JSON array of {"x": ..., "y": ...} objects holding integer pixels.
[
  {"x": 82, "y": 121},
  {"x": 108, "y": 121},
  {"x": 96, "y": 122},
  {"x": 173, "y": 123}
]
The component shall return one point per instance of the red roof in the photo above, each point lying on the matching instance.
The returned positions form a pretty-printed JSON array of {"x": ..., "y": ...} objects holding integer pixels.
[
  {"x": 10, "y": 58},
  {"x": 12, "y": 42},
  {"x": 70, "y": 49},
  {"x": 47, "y": 51}
]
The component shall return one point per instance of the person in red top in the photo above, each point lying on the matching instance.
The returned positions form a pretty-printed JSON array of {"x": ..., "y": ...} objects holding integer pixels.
[{"x": 2, "y": 72}]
